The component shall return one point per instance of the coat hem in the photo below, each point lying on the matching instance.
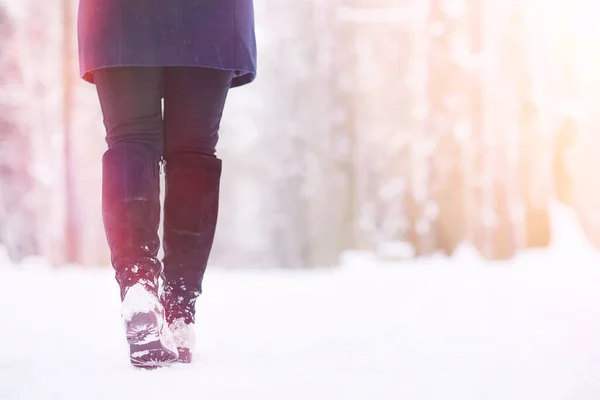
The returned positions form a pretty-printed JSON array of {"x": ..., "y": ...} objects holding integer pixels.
[{"x": 241, "y": 77}]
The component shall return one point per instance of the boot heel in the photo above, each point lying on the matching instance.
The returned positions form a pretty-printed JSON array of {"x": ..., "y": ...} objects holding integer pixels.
[
  {"x": 151, "y": 343},
  {"x": 147, "y": 347}
]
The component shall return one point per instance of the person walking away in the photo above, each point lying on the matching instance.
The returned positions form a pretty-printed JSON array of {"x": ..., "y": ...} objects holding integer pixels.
[{"x": 138, "y": 53}]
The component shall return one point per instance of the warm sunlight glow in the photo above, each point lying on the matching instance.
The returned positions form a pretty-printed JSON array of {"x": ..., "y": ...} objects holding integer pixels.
[{"x": 571, "y": 26}]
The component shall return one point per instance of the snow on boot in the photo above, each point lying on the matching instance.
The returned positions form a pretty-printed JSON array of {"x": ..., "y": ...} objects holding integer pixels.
[
  {"x": 131, "y": 214},
  {"x": 151, "y": 342},
  {"x": 180, "y": 310},
  {"x": 191, "y": 209},
  {"x": 184, "y": 336}
]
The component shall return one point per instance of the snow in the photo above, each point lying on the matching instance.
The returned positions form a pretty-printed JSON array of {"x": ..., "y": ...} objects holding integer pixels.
[
  {"x": 459, "y": 329},
  {"x": 184, "y": 334},
  {"x": 138, "y": 300}
]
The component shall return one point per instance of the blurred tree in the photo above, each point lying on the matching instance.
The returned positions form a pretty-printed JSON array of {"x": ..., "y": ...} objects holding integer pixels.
[
  {"x": 17, "y": 218},
  {"x": 37, "y": 48},
  {"x": 72, "y": 223},
  {"x": 447, "y": 123}
]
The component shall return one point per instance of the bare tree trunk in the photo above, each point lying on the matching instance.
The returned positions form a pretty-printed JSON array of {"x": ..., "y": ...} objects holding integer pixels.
[
  {"x": 447, "y": 124},
  {"x": 72, "y": 223},
  {"x": 327, "y": 181},
  {"x": 39, "y": 43}
]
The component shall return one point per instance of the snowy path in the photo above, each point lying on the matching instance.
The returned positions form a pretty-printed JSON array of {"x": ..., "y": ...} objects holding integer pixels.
[{"x": 436, "y": 330}]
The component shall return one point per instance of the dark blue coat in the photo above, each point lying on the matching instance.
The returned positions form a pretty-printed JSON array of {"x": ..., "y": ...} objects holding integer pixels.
[{"x": 153, "y": 33}]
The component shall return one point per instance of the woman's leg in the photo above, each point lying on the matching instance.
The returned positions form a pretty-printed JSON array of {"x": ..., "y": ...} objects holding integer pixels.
[
  {"x": 194, "y": 102},
  {"x": 130, "y": 101},
  {"x": 131, "y": 105}
]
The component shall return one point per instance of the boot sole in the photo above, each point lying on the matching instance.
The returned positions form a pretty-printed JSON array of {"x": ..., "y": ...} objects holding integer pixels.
[{"x": 146, "y": 349}]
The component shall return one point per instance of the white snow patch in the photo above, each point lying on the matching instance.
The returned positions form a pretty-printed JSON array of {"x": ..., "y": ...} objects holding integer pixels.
[
  {"x": 183, "y": 334},
  {"x": 137, "y": 354},
  {"x": 148, "y": 339},
  {"x": 138, "y": 300},
  {"x": 166, "y": 337}
]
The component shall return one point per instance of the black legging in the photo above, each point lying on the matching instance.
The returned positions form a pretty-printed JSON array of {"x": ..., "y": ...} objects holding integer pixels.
[{"x": 194, "y": 99}]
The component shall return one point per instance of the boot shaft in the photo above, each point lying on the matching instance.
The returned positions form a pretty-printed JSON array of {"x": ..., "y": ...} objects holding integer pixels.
[
  {"x": 131, "y": 213},
  {"x": 191, "y": 211}
]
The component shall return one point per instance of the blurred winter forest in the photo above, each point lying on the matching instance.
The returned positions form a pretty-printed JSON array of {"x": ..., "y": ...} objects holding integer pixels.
[{"x": 403, "y": 128}]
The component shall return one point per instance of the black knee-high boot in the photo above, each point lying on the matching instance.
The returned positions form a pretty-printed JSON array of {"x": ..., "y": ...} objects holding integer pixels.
[
  {"x": 131, "y": 214},
  {"x": 191, "y": 209}
]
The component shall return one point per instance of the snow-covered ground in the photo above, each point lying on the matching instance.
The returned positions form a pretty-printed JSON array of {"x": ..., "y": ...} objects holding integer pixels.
[{"x": 460, "y": 329}]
